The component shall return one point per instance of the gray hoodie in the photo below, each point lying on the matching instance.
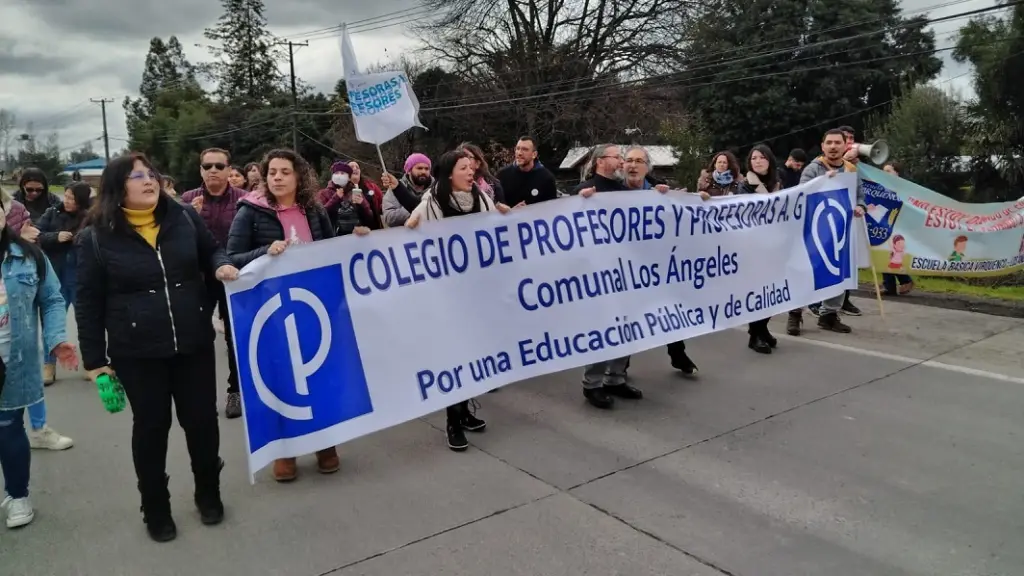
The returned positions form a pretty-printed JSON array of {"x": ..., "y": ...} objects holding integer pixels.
[
  {"x": 818, "y": 168},
  {"x": 392, "y": 212}
]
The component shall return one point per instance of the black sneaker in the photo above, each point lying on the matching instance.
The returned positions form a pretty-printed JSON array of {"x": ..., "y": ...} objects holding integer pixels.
[
  {"x": 233, "y": 406},
  {"x": 457, "y": 438},
  {"x": 599, "y": 397},
  {"x": 832, "y": 323},
  {"x": 473, "y": 424},
  {"x": 815, "y": 309},
  {"x": 850, "y": 310},
  {"x": 758, "y": 345},
  {"x": 624, "y": 391},
  {"x": 684, "y": 364}
]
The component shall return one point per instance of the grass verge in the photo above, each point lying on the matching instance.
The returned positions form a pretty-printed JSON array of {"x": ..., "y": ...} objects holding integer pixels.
[{"x": 951, "y": 286}]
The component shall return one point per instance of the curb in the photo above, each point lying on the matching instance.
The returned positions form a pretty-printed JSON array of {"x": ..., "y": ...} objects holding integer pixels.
[{"x": 990, "y": 306}]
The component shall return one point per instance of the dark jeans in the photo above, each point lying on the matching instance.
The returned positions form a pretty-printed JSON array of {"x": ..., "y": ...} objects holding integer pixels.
[
  {"x": 758, "y": 327},
  {"x": 15, "y": 454},
  {"x": 889, "y": 281},
  {"x": 189, "y": 381},
  {"x": 456, "y": 412},
  {"x": 677, "y": 352},
  {"x": 222, "y": 307}
]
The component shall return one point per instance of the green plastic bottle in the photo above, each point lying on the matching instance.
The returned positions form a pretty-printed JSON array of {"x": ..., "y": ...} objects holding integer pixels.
[{"x": 111, "y": 393}]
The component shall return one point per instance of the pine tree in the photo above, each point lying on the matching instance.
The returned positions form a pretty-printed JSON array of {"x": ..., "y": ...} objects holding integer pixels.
[{"x": 247, "y": 53}]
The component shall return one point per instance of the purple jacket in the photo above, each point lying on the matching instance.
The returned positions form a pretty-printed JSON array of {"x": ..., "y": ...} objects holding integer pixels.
[
  {"x": 218, "y": 211},
  {"x": 17, "y": 216}
]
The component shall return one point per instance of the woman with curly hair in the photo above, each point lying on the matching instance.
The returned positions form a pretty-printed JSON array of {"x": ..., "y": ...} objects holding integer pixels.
[
  {"x": 283, "y": 212},
  {"x": 722, "y": 177}
]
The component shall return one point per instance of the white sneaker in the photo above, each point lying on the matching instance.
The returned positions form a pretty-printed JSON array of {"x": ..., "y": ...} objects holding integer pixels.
[
  {"x": 47, "y": 438},
  {"x": 19, "y": 511}
]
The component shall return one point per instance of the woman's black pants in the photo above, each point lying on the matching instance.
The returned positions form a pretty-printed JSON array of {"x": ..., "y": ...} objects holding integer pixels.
[
  {"x": 189, "y": 381},
  {"x": 758, "y": 327},
  {"x": 457, "y": 412}
]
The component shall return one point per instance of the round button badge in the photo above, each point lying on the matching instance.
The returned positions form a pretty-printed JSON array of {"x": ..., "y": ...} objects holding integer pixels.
[{"x": 535, "y": 192}]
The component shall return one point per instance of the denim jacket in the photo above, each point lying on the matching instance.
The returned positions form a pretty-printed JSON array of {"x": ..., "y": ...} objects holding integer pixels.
[{"x": 27, "y": 298}]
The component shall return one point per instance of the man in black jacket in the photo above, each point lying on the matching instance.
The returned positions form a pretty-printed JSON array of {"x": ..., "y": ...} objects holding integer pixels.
[
  {"x": 789, "y": 175},
  {"x": 603, "y": 381},
  {"x": 604, "y": 170},
  {"x": 527, "y": 181}
]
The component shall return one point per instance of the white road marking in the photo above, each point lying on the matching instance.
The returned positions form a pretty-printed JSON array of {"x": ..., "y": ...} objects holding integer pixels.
[{"x": 905, "y": 359}]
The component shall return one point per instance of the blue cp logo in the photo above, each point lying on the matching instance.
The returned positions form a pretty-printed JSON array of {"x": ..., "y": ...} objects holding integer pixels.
[
  {"x": 297, "y": 355},
  {"x": 827, "y": 226}
]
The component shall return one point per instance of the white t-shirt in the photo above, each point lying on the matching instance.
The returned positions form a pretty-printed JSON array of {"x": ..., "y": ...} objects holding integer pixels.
[{"x": 5, "y": 324}]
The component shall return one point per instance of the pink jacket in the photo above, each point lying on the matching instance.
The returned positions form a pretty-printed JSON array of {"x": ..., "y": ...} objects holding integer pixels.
[{"x": 17, "y": 216}]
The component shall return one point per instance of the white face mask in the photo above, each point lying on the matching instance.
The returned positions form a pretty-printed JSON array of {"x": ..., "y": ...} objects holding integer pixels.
[{"x": 340, "y": 179}]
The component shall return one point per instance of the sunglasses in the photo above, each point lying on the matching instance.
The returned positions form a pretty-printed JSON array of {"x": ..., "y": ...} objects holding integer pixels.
[
  {"x": 33, "y": 189},
  {"x": 214, "y": 165}
]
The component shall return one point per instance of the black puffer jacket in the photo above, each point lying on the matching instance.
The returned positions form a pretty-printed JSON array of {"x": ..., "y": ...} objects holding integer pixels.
[
  {"x": 150, "y": 303},
  {"x": 53, "y": 222},
  {"x": 256, "y": 227}
]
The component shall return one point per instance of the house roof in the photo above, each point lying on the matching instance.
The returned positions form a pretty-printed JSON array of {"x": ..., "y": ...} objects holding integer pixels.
[
  {"x": 94, "y": 164},
  {"x": 661, "y": 156},
  {"x": 84, "y": 172}
]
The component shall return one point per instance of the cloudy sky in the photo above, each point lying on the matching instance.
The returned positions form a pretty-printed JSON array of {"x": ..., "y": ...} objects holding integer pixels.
[{"x": 57, "y": 54}]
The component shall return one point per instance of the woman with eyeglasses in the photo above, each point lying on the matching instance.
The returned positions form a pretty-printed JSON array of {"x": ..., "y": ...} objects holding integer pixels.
[{"x": 142, "y": 299}]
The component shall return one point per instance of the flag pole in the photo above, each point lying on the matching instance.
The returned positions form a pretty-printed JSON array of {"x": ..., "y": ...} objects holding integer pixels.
[{"x": 874, "y": 273}]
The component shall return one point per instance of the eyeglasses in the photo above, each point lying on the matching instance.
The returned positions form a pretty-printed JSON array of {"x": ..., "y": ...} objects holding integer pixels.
[
  {"x": 137, "y": 175},
  {"x": 33, "y": 189},
  {"x": 619, "y": 157},
  {"x": 640, "y": 161},
  {"x": 214, "y": 165}
]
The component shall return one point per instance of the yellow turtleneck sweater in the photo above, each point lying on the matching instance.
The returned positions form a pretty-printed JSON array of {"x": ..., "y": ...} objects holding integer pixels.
[{"x": 144, "y": 222}]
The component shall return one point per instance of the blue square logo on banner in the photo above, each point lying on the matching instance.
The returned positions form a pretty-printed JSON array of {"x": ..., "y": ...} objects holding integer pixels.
[
  {"x": 298, "y": 362},
  {"x": 828, "y": 221}
]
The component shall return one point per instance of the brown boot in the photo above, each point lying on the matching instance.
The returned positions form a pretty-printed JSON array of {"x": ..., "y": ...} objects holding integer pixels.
[
  {"x": 49, "y": 374},
  {"x": 796, "y": 318},
  {"x": 285, "y": 470},
  {"x": 327, "y": 461}
]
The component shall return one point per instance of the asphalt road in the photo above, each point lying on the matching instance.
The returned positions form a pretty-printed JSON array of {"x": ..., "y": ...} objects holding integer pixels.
[{"x": 896, "y": 450}]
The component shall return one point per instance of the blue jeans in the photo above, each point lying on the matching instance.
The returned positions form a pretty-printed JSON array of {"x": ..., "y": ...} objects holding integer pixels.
[
  {"x": 889, "y": 281},
  {"x": 37, "y": 415},
  {"x": 67, "y": 290},
  {"x": 15, "y": 454}
]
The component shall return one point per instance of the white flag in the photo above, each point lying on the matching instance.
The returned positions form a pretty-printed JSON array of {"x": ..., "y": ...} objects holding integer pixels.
[{"x": 383, "y": 104}]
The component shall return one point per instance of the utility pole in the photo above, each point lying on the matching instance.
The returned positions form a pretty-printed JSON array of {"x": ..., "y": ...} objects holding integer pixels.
[
  {"x": 106, "y": 140},
  {"x": 295, "y": 95}
]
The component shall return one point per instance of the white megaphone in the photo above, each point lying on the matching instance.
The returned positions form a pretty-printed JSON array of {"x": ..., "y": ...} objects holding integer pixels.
[{"x": 877, "y": 153}]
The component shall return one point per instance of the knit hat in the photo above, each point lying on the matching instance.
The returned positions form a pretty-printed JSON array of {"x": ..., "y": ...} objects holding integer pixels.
[
  {"x": 340, "y": 166},
  {"x": 415, "y": 159}
]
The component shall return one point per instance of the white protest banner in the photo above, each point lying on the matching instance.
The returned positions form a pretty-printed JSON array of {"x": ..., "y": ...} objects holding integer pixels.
[
  {"x": 383, "y": 104},
  {"x": 341, "y": 338}
]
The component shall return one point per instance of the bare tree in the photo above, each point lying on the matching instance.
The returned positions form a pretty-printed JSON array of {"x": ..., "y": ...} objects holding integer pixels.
[
  {"x": 556, "y": 67},
  {"x": 7, "y": 121}
]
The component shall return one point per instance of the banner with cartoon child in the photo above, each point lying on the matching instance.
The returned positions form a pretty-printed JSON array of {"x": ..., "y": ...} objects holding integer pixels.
[{"x": 913, "y": 230}]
